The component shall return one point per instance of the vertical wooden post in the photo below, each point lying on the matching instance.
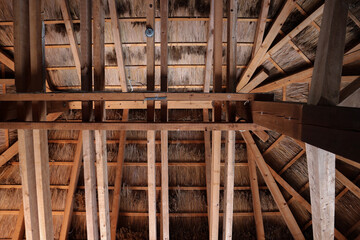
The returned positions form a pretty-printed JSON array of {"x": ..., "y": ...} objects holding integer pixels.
[
  {"x": 217, "y": 74},
  {"x": 25, "y": 137},
  {"x": 88, "y": 136},
  {"x": 150, "y": 56},
  {"x": 325, "y": 88},
  {"x": 165, "y": 235},
  {"x": 229, "y": 186},
  {"x": 215, "y": 185},
  {"x": 151, "y": 184}
]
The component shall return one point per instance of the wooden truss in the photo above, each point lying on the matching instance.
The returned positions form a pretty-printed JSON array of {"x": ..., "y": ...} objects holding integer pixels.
[{"x": 322, "y": 125}]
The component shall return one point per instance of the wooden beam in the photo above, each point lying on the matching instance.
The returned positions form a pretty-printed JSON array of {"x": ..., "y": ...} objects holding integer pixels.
[
  {"x": 69, "y": 202},
  {"x": 164, "y": 8},
  {"x": 209, "y": 49},
  {"x": 136, "y": 126},
  {"x": 9, "y": 154},
  {"x": 102, "y": 184},
  {"x": 217, "y": 66},
  {"x": 347, "y": 183},
  {"x": 229, "y": 186},
  {"x": 256, "y": 61},
  {"x": 258, "y": 79},
  {"x": 292, "y": 161},
  {"x": 260, "y": 27},
  {"x": 150, "y": 57},
  {"x": 6, "y": 60},
  {"x": 90, "y": 184},
  {"x": 262, "y": 135},
  {"x": 65, "y": 10},
  {"x": 165, "y": 234},
  {"x": 325, "y": 88},
  {"x": 138, "y": 96},
  {"x": 348, "y": 161},
  {"x": 309, "y": 123},
  {"x": 114, "y": 217},
  {"x": 274, "y": 189},
  {"x": 349, "y": 90},
  {"x": 215, "y": 185},
  {"x": 86, "y": 56},
  {"x": 260, "y": 233},
  {"x": 115, "y": 27},
  {"x": 151, "y": 184},
  {"x": 19, "y": 230}
]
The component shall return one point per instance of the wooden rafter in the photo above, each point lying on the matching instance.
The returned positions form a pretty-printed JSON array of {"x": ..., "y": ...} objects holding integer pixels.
[
  {"x": 260, "y": 27},
  {"x": 19, "y": 230},
  {"x": 302, "y": 76},
  {"x": 65, "y": 10},
  {"x": 274, "y": 189},
  {"x": 6, "y": 60},
  {"x": 256, "y": 61},
  {"x": 74, "y": 177},
  {"x": 165, "y": 234},
  {"x": 260, "y": 233},
  {"x": 115, "y": 26}
]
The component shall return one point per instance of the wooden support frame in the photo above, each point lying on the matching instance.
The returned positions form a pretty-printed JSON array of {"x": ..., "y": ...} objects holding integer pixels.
[
  {"x": 254, "y": 63},
  {"x": 260, "y": 27},
  {"x": 274, "y": 189},
  {"x": 164, "y": 221}
]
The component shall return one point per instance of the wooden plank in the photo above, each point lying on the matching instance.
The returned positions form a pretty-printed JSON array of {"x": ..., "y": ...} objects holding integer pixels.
[
  {"x": 258, "y": 79},
  {"x": 260, "y": 27},
  {"x": 86, "y": 56},
  {"x": 9, "y": 154},
  {"x": 151, "y": 184},
  {"x": 325, "y": 88},
  {"x": 215, "y": 185},
  {"x": 6, "y": 60},
  {"x": 118, "y": 179},
  {"x": 348, "y": 161},
  {"x": 150, "y": 58},
  {"x": 115, "y": 27},
  {"x": 270, "y": 37},
  {"x": 138, "y": 96},
  {"x": 229, "y": 186},
  {"x": 90, "y": 184},
  {"x": 65, "y": 10},
  {"x": 136, "y": 126},
  {"x": 292, "y": 161},
  {"x": 347, "y": 183},
  {"x": 164, "y": 8},
  {"x": 99, "y": 58},
  {"x": 217, "y": 66},
  {"x": 274, "y": 189},
  {"x": 165, "y": 234},
  {"x": 69, "y": 202},
  {"x": 209, "y": 49},
  {"x": 262, "y": 135},
  {"x": 260, "y": 233},
  {"x": 349, "y": 90},
  {"x": 19, "y": 230},
  {"x": 41, "y": 157},
  {"x": 102, "y": 184}
]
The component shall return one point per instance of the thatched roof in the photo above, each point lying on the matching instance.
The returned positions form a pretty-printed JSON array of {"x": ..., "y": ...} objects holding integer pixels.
[{"x": 188, "y": 30}]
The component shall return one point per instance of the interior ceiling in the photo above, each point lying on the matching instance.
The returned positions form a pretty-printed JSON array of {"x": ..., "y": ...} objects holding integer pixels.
[{"x": 188, "y": 31}]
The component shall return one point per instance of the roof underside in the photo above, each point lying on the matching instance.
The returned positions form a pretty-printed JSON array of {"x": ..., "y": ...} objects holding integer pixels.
[{"x": 188, "y": 31}]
